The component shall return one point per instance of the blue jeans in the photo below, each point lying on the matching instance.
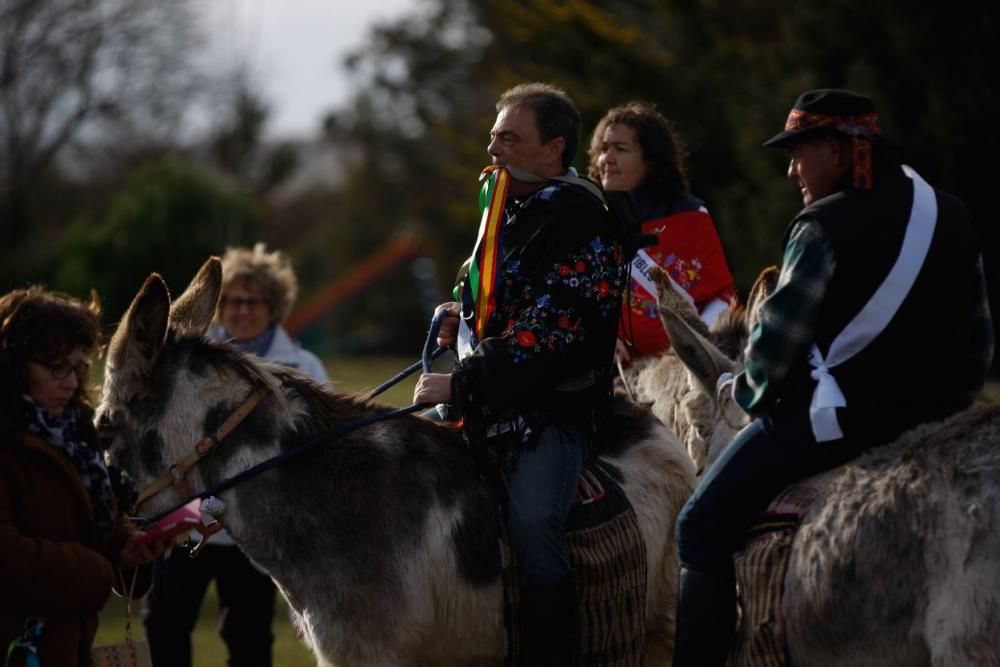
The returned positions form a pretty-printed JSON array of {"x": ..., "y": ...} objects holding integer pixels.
[
  {"x": 771, "y": 453},
  {"x": 541, "y": 486}
]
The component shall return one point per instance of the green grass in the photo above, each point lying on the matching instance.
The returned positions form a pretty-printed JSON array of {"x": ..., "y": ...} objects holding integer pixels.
[
  {"x": 207, "y": 646},
  {"x": 349, "y": 374},
  {"x": 361, "y": 374}
]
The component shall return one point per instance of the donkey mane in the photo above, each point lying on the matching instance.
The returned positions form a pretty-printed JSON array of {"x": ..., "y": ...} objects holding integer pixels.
[
  {"x": 730, "y": 331},
  {"x": 327, "y": 408},
  {"x": 281, "y": 382},
  {"x": 222, "y": 357}
]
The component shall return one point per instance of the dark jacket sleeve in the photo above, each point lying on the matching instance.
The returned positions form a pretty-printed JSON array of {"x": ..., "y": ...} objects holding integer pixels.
[
  {"x": 119, "y": 535},
  {"x": 55, "y": 577},
  {"x": 558, "y": 321}
]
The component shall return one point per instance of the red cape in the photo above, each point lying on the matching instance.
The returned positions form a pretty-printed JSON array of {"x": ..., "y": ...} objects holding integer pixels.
[{"x": 690, "y": 251}]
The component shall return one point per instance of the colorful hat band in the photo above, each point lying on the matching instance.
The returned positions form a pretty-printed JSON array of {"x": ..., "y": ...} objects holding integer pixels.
[{"x": 860, "y": 128}]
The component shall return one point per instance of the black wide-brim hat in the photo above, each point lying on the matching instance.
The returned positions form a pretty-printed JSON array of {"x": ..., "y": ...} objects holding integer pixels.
[{"x": 829, "y": 109}]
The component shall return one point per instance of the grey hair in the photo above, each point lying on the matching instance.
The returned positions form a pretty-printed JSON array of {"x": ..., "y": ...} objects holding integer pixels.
[{"x": 271, "y": 272}]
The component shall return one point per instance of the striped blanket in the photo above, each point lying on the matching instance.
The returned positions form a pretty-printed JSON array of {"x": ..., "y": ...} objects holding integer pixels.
[
  {"x": 608, "y": 560},
  {"x": 760, "y": 575}
]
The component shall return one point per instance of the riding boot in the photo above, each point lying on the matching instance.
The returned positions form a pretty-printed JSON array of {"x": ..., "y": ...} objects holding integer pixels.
[
  {"x": 706, "y": 618},
  {"x": 548, "y": 625}
]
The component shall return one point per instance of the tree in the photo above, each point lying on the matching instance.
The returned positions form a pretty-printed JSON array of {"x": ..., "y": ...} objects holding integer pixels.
[
  {"x": 237, "y": 145},
  {"x": 724, "y": 73},
  {"x": 169, "y": 217},
  {"x": 71, "y": 69}
]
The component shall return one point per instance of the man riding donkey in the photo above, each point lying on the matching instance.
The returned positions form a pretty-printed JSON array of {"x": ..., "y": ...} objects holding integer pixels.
[
  {"x": 843, "y": 357},
  {"x": 539, "y": 314}
]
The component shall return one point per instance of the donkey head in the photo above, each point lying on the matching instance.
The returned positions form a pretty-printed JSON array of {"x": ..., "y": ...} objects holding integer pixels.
[
  {"x": 711, "y": 411},
  {"x": 140, "y": 336},
  {"x": 138, "y": 400}
]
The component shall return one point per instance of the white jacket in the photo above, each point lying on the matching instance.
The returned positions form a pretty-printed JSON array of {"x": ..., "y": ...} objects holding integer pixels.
[{"x": 286, "y": 352}]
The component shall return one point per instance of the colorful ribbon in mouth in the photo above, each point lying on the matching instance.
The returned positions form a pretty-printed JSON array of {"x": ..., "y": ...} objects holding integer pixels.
[{"x": 483, "y": 270}]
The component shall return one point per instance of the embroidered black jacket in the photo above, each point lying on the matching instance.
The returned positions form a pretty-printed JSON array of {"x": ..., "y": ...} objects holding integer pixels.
[{"x": 550, "y": 342}]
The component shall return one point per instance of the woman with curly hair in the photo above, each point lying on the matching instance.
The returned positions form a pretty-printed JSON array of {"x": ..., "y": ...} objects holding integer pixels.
[
  {"x": 63, "y": 542},
  {"x": 634, "y": 148}
]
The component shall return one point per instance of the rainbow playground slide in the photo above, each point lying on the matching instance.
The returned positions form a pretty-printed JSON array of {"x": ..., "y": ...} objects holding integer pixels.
[{"x": 368, "y": 271}]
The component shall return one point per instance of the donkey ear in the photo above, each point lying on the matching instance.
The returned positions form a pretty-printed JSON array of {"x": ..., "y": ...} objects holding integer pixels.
[
  {"x": 139, "y": 338},
  {"x": 670, "y": 297},
  {"x": 689, "y": 338},
  {"x": 762, "y": 288},
  {"x": 194, "y": 310}
]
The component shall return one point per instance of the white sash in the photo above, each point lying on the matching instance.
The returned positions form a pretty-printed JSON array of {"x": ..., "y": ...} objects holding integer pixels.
[{"x": 875, "y": 315}]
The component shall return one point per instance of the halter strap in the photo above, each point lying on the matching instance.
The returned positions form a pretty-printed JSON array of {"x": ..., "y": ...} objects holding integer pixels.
[{"x": 176, "y": 474}]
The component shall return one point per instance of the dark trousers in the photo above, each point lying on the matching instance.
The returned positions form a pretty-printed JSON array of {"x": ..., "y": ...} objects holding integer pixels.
[
  {"x": 767, "y": 456},
  {"x": 246, "y": 601},
  {"x": 541, "y": 486}
]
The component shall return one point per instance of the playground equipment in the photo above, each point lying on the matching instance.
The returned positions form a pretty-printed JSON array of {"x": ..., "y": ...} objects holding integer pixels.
[{"x": 395, "y": 252}]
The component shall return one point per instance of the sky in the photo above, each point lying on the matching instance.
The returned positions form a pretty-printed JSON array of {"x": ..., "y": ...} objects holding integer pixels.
[{"x": 294, "y": 50}]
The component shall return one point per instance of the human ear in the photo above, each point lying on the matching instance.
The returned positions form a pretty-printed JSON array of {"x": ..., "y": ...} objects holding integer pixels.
[
  {"x": 842, "y": 152},
  {"x": 556, "y": 147}
]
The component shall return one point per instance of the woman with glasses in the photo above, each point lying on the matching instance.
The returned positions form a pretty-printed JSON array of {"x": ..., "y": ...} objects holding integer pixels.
[
  {"x": 62, "y": 539},
  {"x": 258, "y": 291}
]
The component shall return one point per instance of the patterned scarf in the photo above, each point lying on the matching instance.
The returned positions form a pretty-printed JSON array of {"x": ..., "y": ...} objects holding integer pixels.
[
  {"x": 62, "y": 432},
  {"x": 259, "y": 345}
]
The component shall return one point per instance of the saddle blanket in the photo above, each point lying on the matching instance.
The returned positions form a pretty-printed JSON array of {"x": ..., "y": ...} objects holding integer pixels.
[
  {"x": 760, "y": 575},
  {"x": 608, "y": 561}
]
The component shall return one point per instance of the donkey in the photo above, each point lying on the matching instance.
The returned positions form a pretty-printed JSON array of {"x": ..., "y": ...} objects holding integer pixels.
[
  {"x": 672, "y": 392},
  {"x": 384, "y": 541},
  {"x": 898, "y": 562}
]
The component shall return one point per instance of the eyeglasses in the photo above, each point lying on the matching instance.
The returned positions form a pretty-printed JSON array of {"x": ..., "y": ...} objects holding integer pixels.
[
  {"x": 235, "y": 302},
  {"x": 62, "y": 370}
]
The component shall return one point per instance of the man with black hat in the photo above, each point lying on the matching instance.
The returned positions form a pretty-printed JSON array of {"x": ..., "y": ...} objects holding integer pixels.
[{"x": 879, "y": 322}]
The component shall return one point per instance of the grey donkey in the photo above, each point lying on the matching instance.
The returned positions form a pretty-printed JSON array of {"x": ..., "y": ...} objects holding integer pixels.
[
  {"x": 899, "y": 563},
  {"x": 384, "y": 541}
]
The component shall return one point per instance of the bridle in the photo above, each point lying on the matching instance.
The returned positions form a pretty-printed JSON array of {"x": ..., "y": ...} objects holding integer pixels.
[{"x": 176, "y": 474}]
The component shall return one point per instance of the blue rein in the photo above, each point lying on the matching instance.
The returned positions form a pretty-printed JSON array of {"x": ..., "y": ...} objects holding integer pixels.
[
  {"x": 430, "y": 353},
  {"x": 428, "y": 356}
]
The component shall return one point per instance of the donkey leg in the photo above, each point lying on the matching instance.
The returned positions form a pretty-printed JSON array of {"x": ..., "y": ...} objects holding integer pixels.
[{"x": 659, "y": 649}]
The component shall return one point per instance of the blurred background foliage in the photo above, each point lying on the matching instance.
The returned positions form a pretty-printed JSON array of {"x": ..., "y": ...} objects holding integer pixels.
[{"x": 102, "y": 184}]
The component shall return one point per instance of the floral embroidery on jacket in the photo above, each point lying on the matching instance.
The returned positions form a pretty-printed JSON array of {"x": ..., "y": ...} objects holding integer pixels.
[
  {"x": 538, "y": 324},
  {"x": 594, "y": 270}
]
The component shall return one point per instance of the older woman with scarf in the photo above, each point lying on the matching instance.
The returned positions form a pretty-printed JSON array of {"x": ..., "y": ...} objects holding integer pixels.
[{"x": 63, "y": 542}]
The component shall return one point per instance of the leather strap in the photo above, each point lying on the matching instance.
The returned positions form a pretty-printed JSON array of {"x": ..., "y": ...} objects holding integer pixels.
[{"x": 177, "y": 473}]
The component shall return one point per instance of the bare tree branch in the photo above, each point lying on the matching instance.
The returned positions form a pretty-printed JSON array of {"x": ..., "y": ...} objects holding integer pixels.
[{"x": 73, "y": 69}]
